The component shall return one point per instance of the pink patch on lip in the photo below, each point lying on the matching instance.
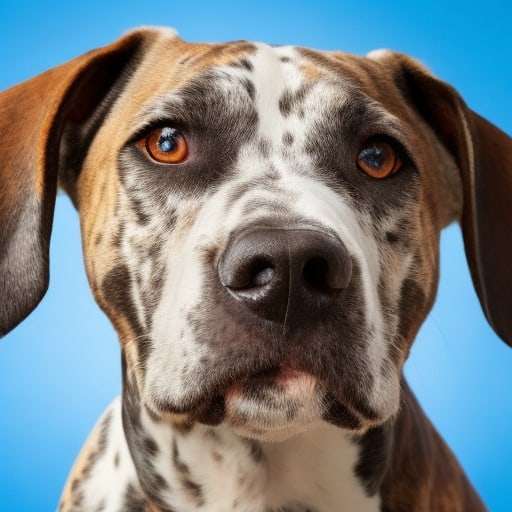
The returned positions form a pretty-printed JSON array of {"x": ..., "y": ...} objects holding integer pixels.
[
  {"x": 285, "y": 378},
  {"x": 287, "y": 375}
]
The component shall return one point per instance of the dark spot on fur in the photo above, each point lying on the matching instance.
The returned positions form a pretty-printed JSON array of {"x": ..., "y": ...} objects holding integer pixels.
[
  {"x": 116, "y": 460},
  {"x": 285, "y": 60},
  {"x": 170, "y": 220},
  {"x": 134, "y": 500},
  {"x": 286, "y": 103},
  {"x": 249, "y": 87},
  {"x": 180, "y": 466},
  {"x": 116, "y": 289},
  {"x": 289, "y": 101},
  {"x": 264, "y": 147},
  {"x": 288, "y": 139},
  {"x": 155, "y": 249},
  {"x": 244, "y": 64},
  {"x": 391, "y": 237},
  {"x": 272, "y": 174},
  {"x": 247, "y": 65},
  {"x": 150, "y": 447},
  {"x": 151, "y": 293},
  {"x": 217, "y": 457},
  {"x": 138, "y": 208},
  {"x": 103, "y": 436},
  {"x": 77, "y": 495},
  {"x": 256, "y": 451},
  {"x": 119, "y": 235},
  {"x": 193, "y": 489}
]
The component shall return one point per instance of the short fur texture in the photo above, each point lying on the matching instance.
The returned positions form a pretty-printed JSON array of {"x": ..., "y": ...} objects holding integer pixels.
[{"x": 266, "y": 291}]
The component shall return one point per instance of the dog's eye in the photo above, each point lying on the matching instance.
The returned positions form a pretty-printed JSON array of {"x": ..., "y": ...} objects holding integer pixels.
[
  {"x": 165, "y": 145},
  {"x": 378, "y": 159}
]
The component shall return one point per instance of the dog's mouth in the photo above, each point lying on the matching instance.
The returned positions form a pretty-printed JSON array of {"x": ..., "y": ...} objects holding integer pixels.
[
  {"x": 267, "y": 385},
  {"x": 271, "y": 401},
  {"x": 278, "y": 376}
]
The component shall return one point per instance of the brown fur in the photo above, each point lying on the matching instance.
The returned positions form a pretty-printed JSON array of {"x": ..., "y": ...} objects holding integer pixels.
[{"x": 467, "y": 167}]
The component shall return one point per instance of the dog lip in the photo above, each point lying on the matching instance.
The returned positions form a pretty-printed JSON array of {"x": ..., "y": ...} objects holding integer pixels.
[
  {"x": 210, "y": 406},
  {"x": 279, "y": 375},
  {"x": 212, "y": 411},
  {"x": 282, "y": 377},
  {"x": 264, "y": 374}
]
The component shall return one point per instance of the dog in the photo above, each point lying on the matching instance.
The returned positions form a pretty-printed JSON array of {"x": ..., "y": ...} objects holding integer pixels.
[{"x": 261, "y": 225}]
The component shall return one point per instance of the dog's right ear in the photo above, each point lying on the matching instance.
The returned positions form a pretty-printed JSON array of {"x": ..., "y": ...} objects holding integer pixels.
[
  {"x": 483, "y": 155},
  {"x": 33, "y": 116}
]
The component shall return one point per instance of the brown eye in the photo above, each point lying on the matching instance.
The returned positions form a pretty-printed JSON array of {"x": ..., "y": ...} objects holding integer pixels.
[
  {"x": 165, "y": 145},
  {"x": 378, "y": 159}
]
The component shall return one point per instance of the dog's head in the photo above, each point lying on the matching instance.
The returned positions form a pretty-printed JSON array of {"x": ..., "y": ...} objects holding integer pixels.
[{"x": 261, "y": 224}]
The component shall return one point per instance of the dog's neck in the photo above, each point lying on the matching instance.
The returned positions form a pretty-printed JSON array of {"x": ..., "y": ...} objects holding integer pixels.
[
  {"x": 212, "y": 467},
  {"x": 401, "y": 465}
]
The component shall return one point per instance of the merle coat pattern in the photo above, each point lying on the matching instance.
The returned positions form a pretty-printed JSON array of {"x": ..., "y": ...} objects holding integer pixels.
[{"x": 267, "y": 281}]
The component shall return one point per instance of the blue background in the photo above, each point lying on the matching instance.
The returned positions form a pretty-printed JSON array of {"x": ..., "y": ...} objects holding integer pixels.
[{"x": 60, "y": 368}]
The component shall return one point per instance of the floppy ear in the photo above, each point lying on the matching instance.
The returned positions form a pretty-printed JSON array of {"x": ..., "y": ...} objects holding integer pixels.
[
  {"x": 483, "y": 154},
  {"x": 33, "y": 117}
]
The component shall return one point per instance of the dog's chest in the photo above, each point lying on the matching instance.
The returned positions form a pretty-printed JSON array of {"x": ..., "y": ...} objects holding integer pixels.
[{"x": 217, "y": 470}]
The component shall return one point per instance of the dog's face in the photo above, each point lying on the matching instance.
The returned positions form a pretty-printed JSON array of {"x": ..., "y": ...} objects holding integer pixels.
[{"x": 259, "y": 225}]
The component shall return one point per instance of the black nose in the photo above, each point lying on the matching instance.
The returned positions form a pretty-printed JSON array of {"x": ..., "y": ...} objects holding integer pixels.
[{"x": 285, "y": 275}]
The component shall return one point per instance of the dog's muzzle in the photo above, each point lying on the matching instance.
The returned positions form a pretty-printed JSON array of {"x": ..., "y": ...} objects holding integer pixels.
[{"x": 285, "y": 275}]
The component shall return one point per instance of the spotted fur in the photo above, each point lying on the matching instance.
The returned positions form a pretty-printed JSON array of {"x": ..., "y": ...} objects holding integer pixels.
[{"x": 299, "y": 407}]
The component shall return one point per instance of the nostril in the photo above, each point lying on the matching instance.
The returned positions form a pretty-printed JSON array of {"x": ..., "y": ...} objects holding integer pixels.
[
  {"x": 328, "y": 272},
  {"x": 316, "y": 274}
]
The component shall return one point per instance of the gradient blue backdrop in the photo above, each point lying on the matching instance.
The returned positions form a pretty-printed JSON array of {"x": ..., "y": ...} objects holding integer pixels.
[{"x": 60, "y": 368}]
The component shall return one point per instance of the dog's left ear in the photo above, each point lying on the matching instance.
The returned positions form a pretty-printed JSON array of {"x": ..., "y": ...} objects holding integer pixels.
[
  {"x": 33, "y": 118},
  {"x": 483, "y": 154}
]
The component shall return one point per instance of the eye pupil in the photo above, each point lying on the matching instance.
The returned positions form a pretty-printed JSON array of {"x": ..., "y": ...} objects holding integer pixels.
[
  {"x": 166, "y": 145},
  {"x": 167, "y": 140},
  {"x": 374, "y": 157},
  {"x": 378, "y": 159}
]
